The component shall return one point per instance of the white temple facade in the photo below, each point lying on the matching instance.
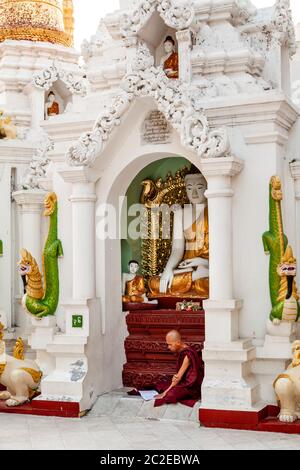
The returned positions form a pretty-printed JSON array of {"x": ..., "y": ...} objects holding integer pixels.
[{"x": 233, "y": 113}]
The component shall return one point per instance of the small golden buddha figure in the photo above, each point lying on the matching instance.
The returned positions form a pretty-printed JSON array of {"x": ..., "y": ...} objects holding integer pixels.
[
  {"x": 169, "y": 61},
  {"x": 187, "y": 271},
  {"x": 52, "y": 107},
  {"x": 133, "y": 285}
]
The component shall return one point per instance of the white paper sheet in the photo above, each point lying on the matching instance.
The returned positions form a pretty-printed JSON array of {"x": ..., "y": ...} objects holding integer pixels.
[{"x": 148, "y": 395}]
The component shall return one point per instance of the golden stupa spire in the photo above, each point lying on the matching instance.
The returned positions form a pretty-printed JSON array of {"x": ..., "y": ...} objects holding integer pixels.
[
  {"x": 69, "y": 19},
  {"x": 34, "y": 20}
]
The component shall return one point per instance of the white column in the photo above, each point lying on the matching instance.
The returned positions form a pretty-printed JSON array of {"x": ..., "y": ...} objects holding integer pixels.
[
  {"x": 295, "y": 171},
  {"x": 219, "y": 173},
  {"x": 184, "y": 39},
  {"x": 228, "y": 382},
  {"x": 37, "y": 104},
  {"x": 83, "y": 200},
  {"x": 31, "y": 205}
]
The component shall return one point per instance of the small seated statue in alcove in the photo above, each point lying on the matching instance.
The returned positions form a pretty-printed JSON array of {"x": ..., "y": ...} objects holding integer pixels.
[
  {"x": 133, "y": 285},
  {"x": 169, "y": 61},
  {"x": 51, "y": 106}
]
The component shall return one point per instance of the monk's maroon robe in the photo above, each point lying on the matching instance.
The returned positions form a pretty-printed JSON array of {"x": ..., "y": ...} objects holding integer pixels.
[{"x": 188, "y": 390}]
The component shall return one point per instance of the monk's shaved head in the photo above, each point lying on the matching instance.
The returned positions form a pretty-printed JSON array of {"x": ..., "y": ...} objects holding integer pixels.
[
  {"x": 174, "y": 341},
  {"x": 174, "y": 335}
]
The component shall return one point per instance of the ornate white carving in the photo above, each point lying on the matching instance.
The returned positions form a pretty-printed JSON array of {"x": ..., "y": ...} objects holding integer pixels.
[
  {"x": 45, "y": 79},
  {"x": 282, "y": 22},
  {"x": 143, "y": 60},
  {"x": 38, "y": 166},
  {"x": 177, "y": 15},
  {"x": 173, "y": 99},
  {"x": 277, "y": 28}
]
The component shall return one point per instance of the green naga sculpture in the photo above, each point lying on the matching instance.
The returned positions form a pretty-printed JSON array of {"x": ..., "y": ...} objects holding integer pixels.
[
  {"x": 40, "y": 300},
  {"x": 283, "y": 266}
]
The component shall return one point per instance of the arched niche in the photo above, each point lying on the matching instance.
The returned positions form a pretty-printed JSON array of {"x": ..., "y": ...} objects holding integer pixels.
[
  {"x": 63, "y": 97},
  {"x": 154, "y": 33}
]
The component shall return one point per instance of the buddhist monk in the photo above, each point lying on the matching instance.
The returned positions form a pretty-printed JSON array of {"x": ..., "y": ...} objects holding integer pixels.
[{"x": 186, "y": 383}]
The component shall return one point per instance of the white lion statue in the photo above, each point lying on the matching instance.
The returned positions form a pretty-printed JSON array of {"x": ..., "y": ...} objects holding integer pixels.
[
  {"x": 20, "y": 376},
  {"x": 287, "y": 389}
]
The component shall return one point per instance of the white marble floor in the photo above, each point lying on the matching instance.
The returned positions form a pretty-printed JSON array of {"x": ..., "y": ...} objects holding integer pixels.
[{"x": 117, "y": 433}]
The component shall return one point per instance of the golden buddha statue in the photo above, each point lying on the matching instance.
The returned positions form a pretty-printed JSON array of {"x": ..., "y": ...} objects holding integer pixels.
[
  {"x": 52, "y": 107},
  {"x": 187, "y": 271},
  {"x": 169, "y": 61},
  {"x": 133, "y": 285}
]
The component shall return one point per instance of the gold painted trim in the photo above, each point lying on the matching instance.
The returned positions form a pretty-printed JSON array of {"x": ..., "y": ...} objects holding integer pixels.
[
  {"x": 2, "y": 368},
  {"x": 36, "y": 375},
  {"x": 18, "y": 352},
  {"x": 36, "y": 34}
]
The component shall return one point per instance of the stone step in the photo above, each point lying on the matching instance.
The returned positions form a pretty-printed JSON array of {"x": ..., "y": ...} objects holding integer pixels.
[{"x": 119, "y": 404}]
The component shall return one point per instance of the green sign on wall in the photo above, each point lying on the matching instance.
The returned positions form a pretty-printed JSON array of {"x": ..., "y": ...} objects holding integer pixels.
[{"x": 77, "y": 321}]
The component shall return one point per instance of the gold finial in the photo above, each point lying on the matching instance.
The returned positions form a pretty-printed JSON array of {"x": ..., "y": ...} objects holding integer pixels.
[
  {"x": 69, "y": 19},
  {"x": 276, "y": 188},
  {"x": 1, "y": 331},
  {"x": 19, "y": 350}
]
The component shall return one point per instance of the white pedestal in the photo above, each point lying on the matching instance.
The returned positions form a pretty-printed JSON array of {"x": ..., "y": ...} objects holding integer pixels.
[
  {"x": 229, "y": 382},
  {"x": 42, "y": 336},
  {"x": 76, "y": 356}
]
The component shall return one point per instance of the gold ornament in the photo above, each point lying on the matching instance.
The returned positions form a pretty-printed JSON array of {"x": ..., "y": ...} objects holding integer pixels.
[
  {"x": 18, "y": 352},
  {"x": 34, "y": 20},
  {"x": 156, "y": 249},
  {"x": 69, "y": 19},
  {"x": 36, "y": 375}
]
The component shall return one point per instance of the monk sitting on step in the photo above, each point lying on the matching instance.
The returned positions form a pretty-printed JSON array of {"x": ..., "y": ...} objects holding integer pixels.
[{"x": 186, "y": 383}]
